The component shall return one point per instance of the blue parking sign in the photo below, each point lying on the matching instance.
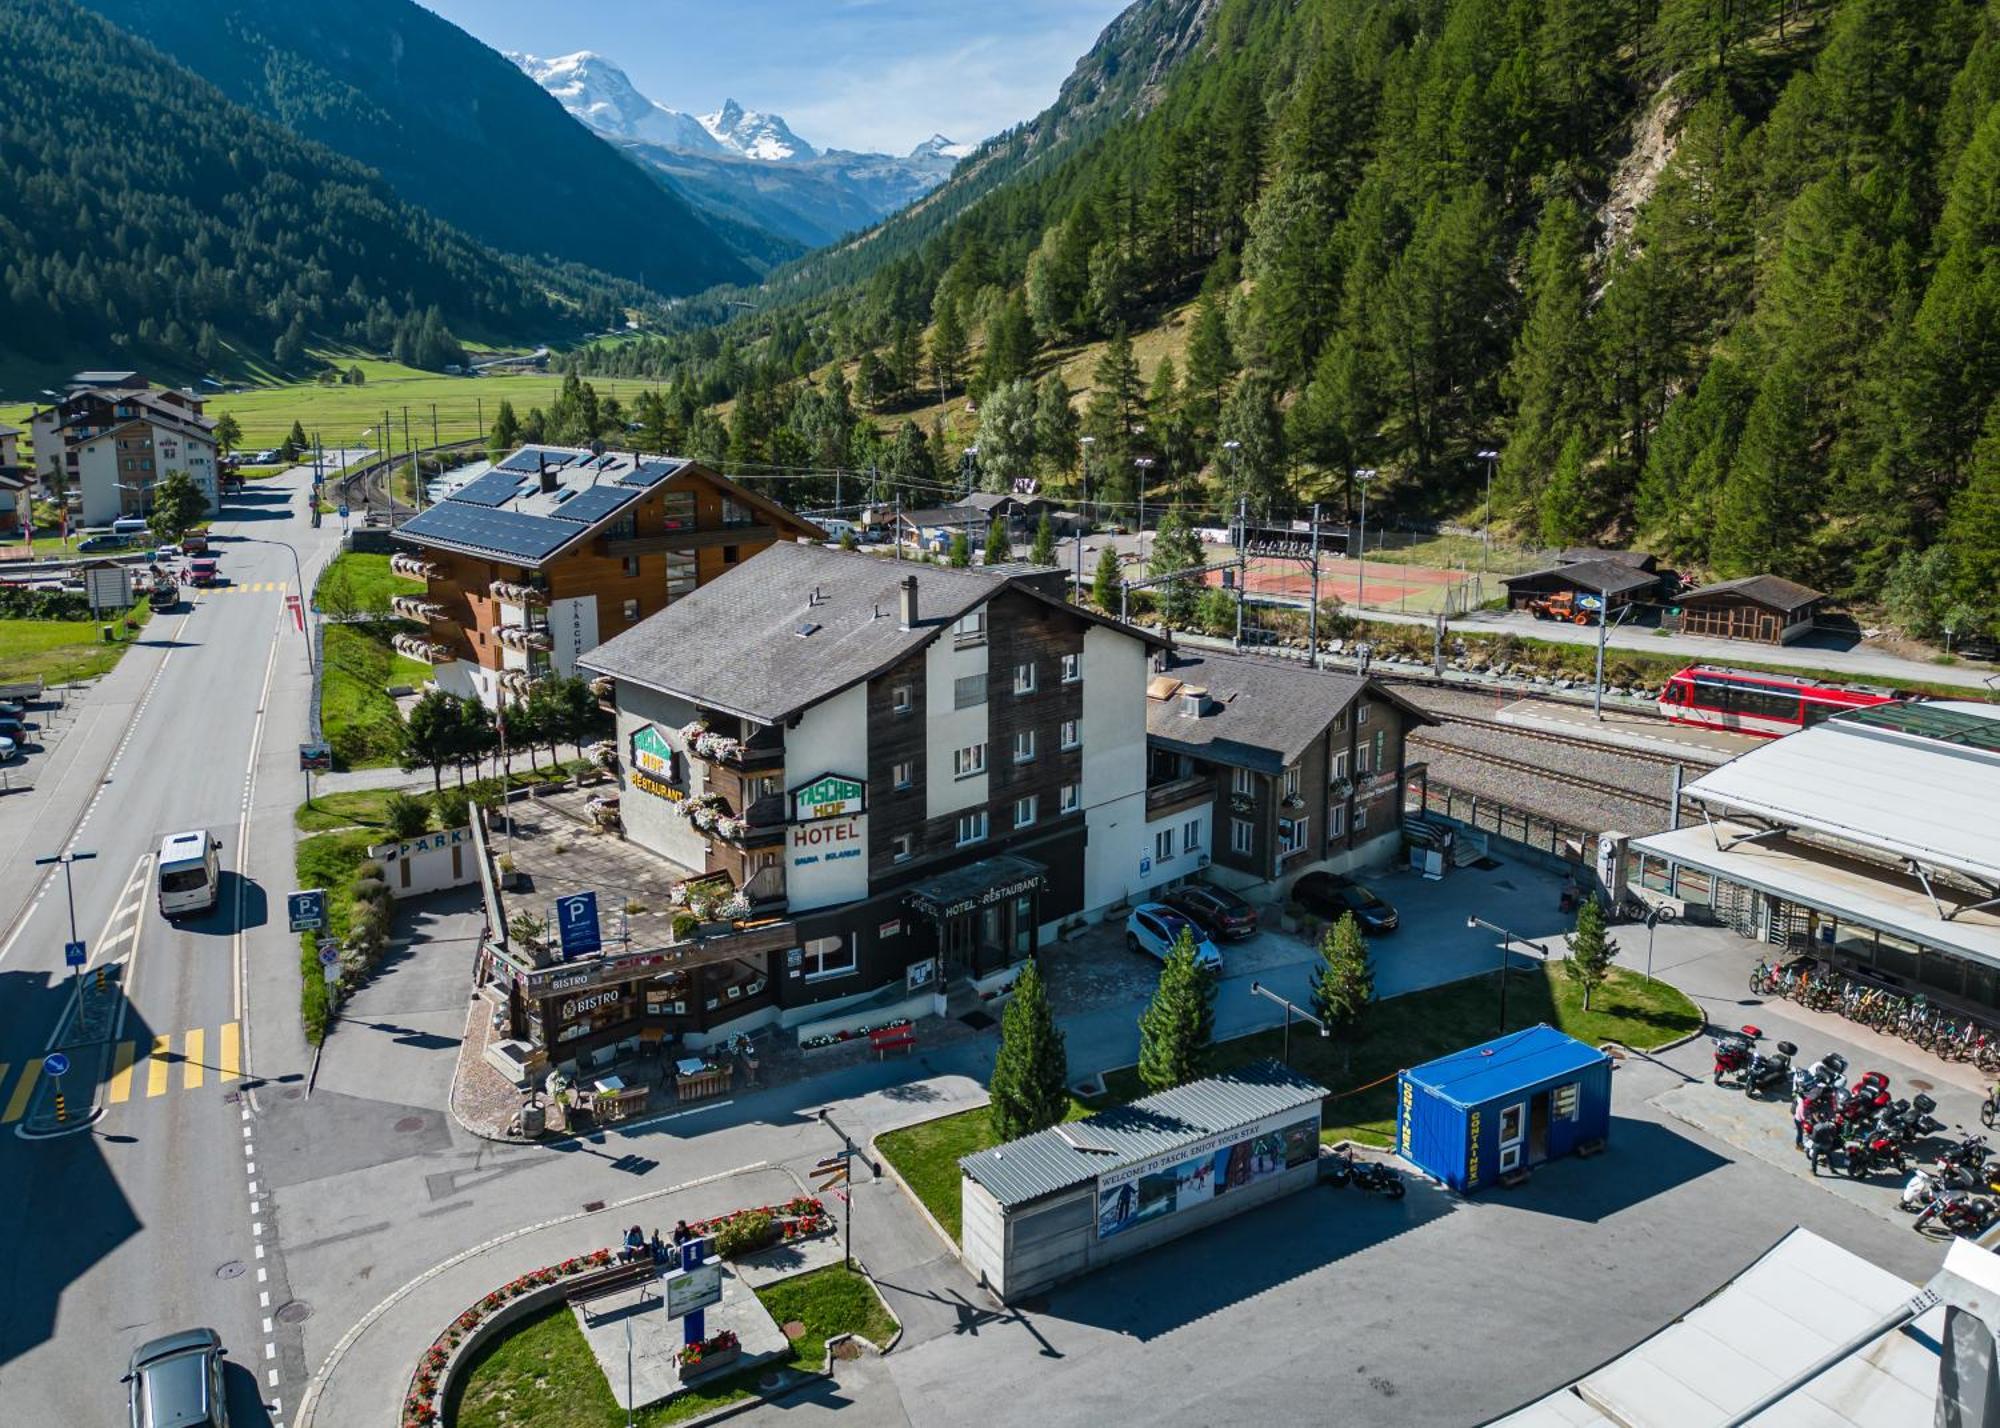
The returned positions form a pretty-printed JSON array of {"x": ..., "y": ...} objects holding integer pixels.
[
  {"x": 306, "y": 910},
  {"x": 576, "y": 925}
]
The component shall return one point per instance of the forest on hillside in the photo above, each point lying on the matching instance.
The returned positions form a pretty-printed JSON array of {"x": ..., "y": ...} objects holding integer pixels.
[
  {"x": 145, "y": 219},
  {"x": 1718, "y": 277}
]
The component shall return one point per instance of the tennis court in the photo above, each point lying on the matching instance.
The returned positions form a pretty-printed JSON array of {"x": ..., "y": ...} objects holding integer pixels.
[{"x": 1382, "y": 585}]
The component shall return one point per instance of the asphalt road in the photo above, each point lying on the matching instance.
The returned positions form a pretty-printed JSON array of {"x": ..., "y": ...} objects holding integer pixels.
[{"x": 151, "y": 1219}]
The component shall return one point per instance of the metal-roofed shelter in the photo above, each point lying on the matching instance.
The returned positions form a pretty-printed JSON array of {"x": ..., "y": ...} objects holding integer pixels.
[
  {"x": 1064, "y": 1201},
  {"x": 1866, "y": 839},
  {"x": 1802, "y": 1299},
  {"x": 1504, "y": 1106}
]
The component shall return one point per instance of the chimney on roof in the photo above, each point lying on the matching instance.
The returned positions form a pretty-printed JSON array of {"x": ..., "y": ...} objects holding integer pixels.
[
  {"x": 909, "y": 602},
  {"x": 548, "y": 476}
]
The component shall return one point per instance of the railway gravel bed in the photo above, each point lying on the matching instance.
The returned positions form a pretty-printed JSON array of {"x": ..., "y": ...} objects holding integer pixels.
[{"x": 1588, "y": 810}]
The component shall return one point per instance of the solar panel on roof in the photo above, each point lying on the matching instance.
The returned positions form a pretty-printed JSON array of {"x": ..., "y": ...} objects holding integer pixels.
[
  {"x": 588, "y": 507},
  {"x": 499, "y": 532},
  {"x": 650, "y": 473},
  {"x": 495, "y": 488}
]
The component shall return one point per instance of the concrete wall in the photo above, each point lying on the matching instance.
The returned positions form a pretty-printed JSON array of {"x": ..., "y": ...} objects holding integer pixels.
[
  {"x": 651, "y": 821},
  {"x": 948, "y": 728},
  {"x": 429, "y": 864},
  {"x": 1114, "y": 766},
  {"x": 831, "y": 737}
]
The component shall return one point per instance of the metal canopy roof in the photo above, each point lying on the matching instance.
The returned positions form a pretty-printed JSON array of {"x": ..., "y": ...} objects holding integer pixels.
[
  {"x": 1916, "y": 782},
  {"x": 1799, "y": 1301},
  {"x": 1074, "y": 1154},
  {"x": 1505, "y": 1066}
]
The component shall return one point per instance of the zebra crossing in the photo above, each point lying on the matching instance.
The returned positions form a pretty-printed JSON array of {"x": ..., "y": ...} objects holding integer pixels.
[{"x": 142, "y": 1070}]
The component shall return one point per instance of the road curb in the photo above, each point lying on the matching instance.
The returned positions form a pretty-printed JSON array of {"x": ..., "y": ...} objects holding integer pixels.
[
  {"x": 889, "y": 1167},
  {"x": 309, "y": 1401}
]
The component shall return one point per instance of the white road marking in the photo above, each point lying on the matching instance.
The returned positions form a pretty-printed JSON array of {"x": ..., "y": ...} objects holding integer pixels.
[
  {"x": 241, "y": 970},
  {"x": 263, "y": 1299},
  {"x": 267, "y": 1325},
  {"x": 270, "y": 1350}
]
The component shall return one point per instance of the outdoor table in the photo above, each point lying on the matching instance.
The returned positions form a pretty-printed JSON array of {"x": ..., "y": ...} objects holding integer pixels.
[
  {"x": 691, "y": 1066},
  {"x": 610, "y": 1086}
]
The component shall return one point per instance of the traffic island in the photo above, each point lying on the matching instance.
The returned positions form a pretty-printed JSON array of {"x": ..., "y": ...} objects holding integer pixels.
[{"x": 67, "y": 1086}]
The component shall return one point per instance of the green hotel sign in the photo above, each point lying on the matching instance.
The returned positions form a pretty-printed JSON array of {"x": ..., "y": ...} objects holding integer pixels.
[
  {"x": 651, "y": 753},
  {"x": 828, "y": 796}
]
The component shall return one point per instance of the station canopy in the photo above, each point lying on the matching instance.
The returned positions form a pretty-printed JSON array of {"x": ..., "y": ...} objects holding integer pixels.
[{"x": 1916, "y": 781}]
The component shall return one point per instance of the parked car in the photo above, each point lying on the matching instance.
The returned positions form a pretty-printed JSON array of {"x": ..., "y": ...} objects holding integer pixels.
[
  {"x": 1329, "y": 895},
  {"x": 12, "y": 727},
  {"x": 1153, "y": 928},
  {"x": 8, "y": 748},
  {"x": 12, "y": 709},
  {"x": 166, "y": 555},
  {"x": 101, "y": 542},
  {"x": 176, "y": 1382},
  {"x": 1221, "y": 912}
]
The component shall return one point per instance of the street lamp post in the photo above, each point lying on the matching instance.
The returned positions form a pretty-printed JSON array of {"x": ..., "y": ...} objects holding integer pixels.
[
  {"x": 1507, "y": 939},
  {"x": 1603, "y": 629},
  {"x": 1362, "y": 477},
  {"x": 847, "y": 1143},
  {"x": 1087, "y": 442},
  {"x": 67, "y": 860},
  {"x": 1258, "y": 989},
  {"x": 298, "y": 575},
  {"x": 1145, "y": 464},
  {"x": 1486, "y": 521}
]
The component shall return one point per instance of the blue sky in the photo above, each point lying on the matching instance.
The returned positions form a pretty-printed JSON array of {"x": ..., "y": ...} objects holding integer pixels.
[{"x": 853, "y": 74}]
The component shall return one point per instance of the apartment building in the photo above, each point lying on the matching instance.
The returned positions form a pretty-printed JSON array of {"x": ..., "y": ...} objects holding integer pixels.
[
  {"x": 924, "y": 771},
  {"x": 557, "y": 549},
  {"x": 114, "y": 436}
]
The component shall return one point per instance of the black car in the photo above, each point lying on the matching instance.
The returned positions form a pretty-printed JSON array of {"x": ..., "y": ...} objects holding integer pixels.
[
  {"x": 1329, "y": 895},
  {"x": 1221, "y": 912}
]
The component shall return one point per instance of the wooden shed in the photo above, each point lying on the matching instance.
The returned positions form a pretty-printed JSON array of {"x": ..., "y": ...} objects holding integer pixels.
[
  {"x": 1618, "y": 582},
  {"x": 1765, "y": 608}
]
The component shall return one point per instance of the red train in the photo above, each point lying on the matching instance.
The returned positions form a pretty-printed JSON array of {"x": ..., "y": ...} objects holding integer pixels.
[{"x": 1748, "y": 702}]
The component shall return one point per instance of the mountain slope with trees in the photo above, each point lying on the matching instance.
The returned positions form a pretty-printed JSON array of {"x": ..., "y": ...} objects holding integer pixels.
[
  {"x": 1715, "y": 278},
  {"x": 143, "y": 214},
  {"x": 453, "y": 126}
]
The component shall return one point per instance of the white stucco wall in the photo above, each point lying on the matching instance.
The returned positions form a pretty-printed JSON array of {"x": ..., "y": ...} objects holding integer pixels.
[
  {"x": 826, "y": 861},
  {"x": 947, "y": 728},
  {"x": 572, "y": 631},
  {"x": 651, "y": 821},
  {"x": 1185, "y": 862},
  {"x": 1114, "y": 765}
]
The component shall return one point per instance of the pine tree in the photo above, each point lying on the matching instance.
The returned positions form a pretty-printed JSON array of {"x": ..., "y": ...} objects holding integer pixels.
[
  {"x": 1010, "y": 346},
  {"x": 1973, "y": 533},
  {"x": 297, "y": 440},
  {"x": 947, "y": 347},
  {"x": 1760, "y": 520},
  {"x": 1211, "y": 366},
  {"x": 999, "y": 549},
  {"x": 1176, "y": 548},
  {"x": 1044, "y": 550},
  {"x": 1055, "y": 425},
  {"x": 1177, "y": 1026},
  {"x": 961, "y": 550},
  {"x": 1254, "y": 468},
  {"x": 1549, "y": 379},
  {"x": 1106, "y": 581},
  {"x": 1343, "y": 983},
  {"x": 1114, "y": 408},
  {"x": 506, "y": 433},
  {"x": 1030, "y": 1084},
  {"x": 1591, "y": 953},
  {"x": 1568, "y": 504},
  {"x": 228, "y": 433}
]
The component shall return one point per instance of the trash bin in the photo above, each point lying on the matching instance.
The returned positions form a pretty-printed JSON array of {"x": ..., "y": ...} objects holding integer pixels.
[
  {"x": 533, "y": 1119},
  {"x": 109, "y": 635}
]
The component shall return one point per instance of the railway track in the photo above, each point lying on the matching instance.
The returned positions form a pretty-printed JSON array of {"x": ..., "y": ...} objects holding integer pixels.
[
  {"x": 1600, "y": 788},
  {"x": 362, "y": 487},
  {"x": 1544, "y": 736}
]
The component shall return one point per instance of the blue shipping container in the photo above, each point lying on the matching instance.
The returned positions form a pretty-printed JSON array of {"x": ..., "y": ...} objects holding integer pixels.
[{"x": 1527, "y": 1097}]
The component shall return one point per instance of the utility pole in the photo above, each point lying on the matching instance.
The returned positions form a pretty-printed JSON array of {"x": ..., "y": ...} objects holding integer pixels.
[
  {"x": 479, "y": 413},
  {"x": 896, "y": 530},
  {"x": 1312, "y": 615},
  {"x": 1363, "y": 477},
  {"x": 67, "y": 859}
]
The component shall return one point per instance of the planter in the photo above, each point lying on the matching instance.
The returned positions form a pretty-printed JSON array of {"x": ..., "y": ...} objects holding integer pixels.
[{"x": 710, "y": 1364}]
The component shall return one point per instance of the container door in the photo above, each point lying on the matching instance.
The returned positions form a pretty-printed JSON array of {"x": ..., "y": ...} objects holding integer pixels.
[
  {"x": 1538, "y": 1127},
  {"x": 1513, "y": 1135}
]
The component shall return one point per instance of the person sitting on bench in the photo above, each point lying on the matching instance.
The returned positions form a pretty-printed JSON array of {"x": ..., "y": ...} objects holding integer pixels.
[{"x": 635, "y": 1245}]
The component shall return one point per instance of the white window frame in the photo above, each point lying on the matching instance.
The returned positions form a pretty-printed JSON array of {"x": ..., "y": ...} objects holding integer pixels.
[
  {"x": 1072, "y": 797},
  {"x": 904, "y": 774},
  {"x": 1364, "y": 763},
  {"x": 971, "y": 629},
  {"x": 1292, "y": 781},
  {"x": 1360, "y": 816},
  {"x": 1336, "y": 821},
  {"x": 1024, "y": 811},
  {"x": 1242, "y": 782},
  {"x": 902, "y": 697},
  {"x": 1072, "y": 733},
  {"x": 1191, "y": 836},
  {"x": 1163, "y": 846},
  {"x": 968, "y": 762},
  {"x": 1294, "y": 834},
  {"x": 1362, "y": 716},
  {"x": 1024, "y": 746},
  {"x": 1339, "y": 769},
  {"x": 976, "y": 819},
  {"x": 902, "y": 848},
  {"x": 1024, "y": 678},
  {"x": 847, "y": 967},
  {"x": 1242, "y": 837},
  {"x": 1072, "y": 668}
]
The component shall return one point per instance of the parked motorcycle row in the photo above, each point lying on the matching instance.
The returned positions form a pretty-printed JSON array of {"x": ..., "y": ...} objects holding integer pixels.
[
  {"x": 1369, "y": 1175},
  {"x": 1859, "y": 1128}
]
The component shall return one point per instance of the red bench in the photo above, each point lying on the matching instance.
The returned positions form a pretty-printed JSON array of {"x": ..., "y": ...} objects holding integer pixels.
[{"x": 892, "y": 1038}]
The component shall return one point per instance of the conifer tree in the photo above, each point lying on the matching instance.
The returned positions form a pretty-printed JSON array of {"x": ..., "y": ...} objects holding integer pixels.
[
  {"x": 947, "y": 347},
  {"x": 1177, "y": 1026},
  {"x": 1176, "y": 548},
  {"x": 961, "y": 550},
  {"x": 1549, "y": 378},
  {"x": 1044, "y": 550},
  {"x": 1106, "y": 581},
  {"x": 1759, "y": 520},
  {"x": 1343, "y": 982},
  {"x": 1568, "y": 504},
  {"x": 1030, "y": 1085},
  {"x": 1973, "y": 533},
  {"x": 1591, "y": 952},
  {"x": 999, "y": 550}
]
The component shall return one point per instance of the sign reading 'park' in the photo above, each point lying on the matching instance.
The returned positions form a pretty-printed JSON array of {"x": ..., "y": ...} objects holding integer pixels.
[{"x": 828, "y": 796}]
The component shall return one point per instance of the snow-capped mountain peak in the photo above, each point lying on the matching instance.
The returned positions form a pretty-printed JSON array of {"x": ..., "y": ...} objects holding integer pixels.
[
  {"x": 756, "y": 135},
  {"x": 601, "y": 94},
  {"x": 937, "y": 146}
]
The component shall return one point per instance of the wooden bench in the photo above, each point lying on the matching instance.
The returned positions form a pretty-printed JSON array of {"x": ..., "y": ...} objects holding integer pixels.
[
  {"x": 892, "y": 1038},
  {"x": 609, "y": 1280}
]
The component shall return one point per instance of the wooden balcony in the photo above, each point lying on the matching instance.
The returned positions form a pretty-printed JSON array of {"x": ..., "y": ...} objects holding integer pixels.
[
  {"x": 414, "y": 567},
  {"x": 525, "y": 637},
  {"x": 509, "y": 592},
  {"x": 418, "y": 648},
  {"x": 690, "y": 540},
  {"x": 417, "y": 607},
  {"x": 1178, "y": 794}
]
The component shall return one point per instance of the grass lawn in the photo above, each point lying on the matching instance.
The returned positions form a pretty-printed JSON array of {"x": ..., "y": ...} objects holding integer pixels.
[
  {"x": 60, "y": 650},
  {"x": 926, "y": 1155},
  {"x": 1401, "y": 1032},
  {"x": 358, "y": 716},
  {"x": 363, "y": 584},
  {"x": 542, "y": 1373}
]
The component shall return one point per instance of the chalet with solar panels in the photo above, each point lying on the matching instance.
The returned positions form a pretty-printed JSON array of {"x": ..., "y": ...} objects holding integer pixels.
[{"x": 558, "y": 549}]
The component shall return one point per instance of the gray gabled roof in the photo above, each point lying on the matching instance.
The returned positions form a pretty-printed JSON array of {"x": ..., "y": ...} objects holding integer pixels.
[
  {"x": 1773, "y": 591},
  {"x": 1051, "y": 1161},
  {"x": 1606, "y": 577},
  {"x": 1261, "y": 713}
]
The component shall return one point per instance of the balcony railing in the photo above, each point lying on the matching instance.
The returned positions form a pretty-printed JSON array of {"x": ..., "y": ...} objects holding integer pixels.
[
  {"x": 1178, "y": 793},
  {"x": 519, "y": 682},
  {"x": 418, "y": 648},
  {"x": 513, "y": 593},
  {"x": 414, "y": 567},
  {"x": 417, "y": 607},
  {"x": 762, "y": 752},
  {"x": 525, "y": 637}
]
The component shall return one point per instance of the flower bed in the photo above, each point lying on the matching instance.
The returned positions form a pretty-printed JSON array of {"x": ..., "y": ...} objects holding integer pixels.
[
  {"x": 710, "y": 1354},
  {"x": 852, "y": 1033},
  {"x": 423, "y": 1404}
]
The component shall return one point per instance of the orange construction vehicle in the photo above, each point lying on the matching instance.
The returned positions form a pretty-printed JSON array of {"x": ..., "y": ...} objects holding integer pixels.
[{"x": 1564, "y": 605}]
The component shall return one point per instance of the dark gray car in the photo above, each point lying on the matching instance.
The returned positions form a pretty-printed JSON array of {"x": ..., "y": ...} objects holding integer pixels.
[{"x": 176, "y": 1382}]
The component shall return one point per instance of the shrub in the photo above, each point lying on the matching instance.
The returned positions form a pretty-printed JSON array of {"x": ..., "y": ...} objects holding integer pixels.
[
  {"x": 685, "y": 924},
  {"x": 406, "y": 816},
  {"x": 372, "y": 890},
  {"x": 370, "y": 868},
  {"x": 746, "y": 1233},
  {"x": 454, "y": 808}
]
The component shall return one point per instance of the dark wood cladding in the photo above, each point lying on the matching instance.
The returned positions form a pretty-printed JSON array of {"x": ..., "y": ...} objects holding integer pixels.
[
  {"x": 894, "y": 738},
  {"x": 758, "y": 536}
]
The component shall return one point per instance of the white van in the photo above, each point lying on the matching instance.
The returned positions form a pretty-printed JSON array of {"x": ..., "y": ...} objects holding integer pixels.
[
  {"x": 130, "y": 526},
  {"x": 189, "y": 876}
]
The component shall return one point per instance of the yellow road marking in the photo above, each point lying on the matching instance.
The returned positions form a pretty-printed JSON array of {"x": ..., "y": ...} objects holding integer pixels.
[
  {"x": 229, "y": 1058},
  {"x": 191, "y": 1067},
  {"x": 121, "y": 1074},
  {"x": 17, "y": 1104},
  {"x": 156, "y": 1067}
]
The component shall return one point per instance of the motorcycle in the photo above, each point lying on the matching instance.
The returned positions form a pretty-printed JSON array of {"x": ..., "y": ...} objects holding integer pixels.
[
  {"x": 1733, "y": 1050},
  {"x": 1911, "y": 1121},
  {"x": 1826, "y": 1071},
  {"x": 1919, "y": 1190},
  {"x": 1957, "y": 1210},
  {"x": 1874, "y": 1149},
  {"x": 1770, "y": 1074},
  {"x": 1369, "y": 1175}
]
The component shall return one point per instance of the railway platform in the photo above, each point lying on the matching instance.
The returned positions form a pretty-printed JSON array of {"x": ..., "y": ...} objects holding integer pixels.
[{"x": 1629, "y": 729}]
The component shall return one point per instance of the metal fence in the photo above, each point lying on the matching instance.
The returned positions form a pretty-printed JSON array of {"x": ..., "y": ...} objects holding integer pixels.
[{"x": 1502, "y": 820}]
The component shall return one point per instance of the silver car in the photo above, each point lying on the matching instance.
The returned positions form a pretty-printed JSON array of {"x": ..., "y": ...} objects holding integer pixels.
[{"x": 176, "y": 1382}]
